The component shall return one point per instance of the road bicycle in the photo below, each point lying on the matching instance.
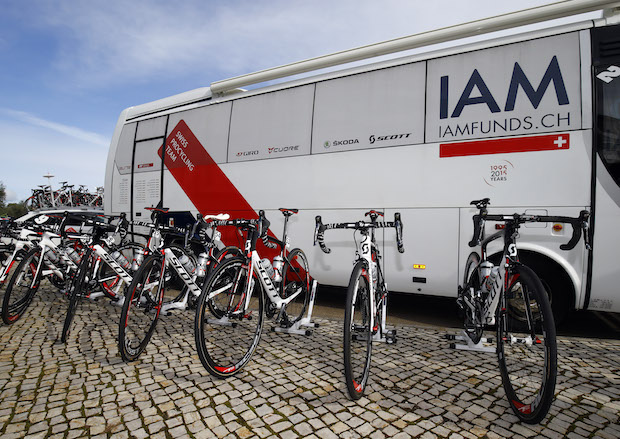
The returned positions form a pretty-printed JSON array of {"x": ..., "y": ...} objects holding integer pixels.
[
  {"x": 511, "y": 296},
  {"x": 168, "y": 268},
  {"x": 103, "y": 265},
  {"x": 14, "y": 243},
  {"x": 55, "y": 252},
  {"x": 48, "y": 257},
  {"x": 229, "y": 314},
  {"x": 367, "y": 294}
]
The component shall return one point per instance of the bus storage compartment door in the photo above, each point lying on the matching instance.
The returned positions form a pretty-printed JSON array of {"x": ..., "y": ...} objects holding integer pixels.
[{"x": 430, "y": 260}]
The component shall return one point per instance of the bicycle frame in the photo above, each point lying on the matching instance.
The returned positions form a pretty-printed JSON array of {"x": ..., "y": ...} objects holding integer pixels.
[
  {"x": 509, "y": 256},
  {"x": 104, "y": 255},
  {"x": 255, "y": 267},
  {"x": 26, "y": 239},
  {"x": 366, "y": 246}
]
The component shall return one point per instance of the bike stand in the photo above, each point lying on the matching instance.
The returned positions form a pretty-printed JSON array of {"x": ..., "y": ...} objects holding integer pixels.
[
  {"x": 305, "y": 322},
  {"x": 385, "y": 335},
  {"x": 224, "y": 321},
  {"x": 469, "y": 345}
]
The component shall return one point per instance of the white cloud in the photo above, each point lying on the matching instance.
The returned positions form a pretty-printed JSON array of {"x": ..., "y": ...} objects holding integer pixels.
[
  {"x": 117, "y": 41},
  {"x": 11, "y": 196},
  {"x": 76, "y": 133},
  {"x": 31, "y": 150}
]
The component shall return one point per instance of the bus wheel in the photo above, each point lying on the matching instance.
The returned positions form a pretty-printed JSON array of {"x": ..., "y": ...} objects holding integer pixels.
[{"x": 557, "y": 283}]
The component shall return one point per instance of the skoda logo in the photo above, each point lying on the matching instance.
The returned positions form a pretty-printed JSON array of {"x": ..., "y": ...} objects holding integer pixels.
[{"x": 327, "y": 144}]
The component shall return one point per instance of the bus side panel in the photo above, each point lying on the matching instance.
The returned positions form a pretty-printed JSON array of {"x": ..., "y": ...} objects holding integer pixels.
[
  {"x": 119, "y": 197},
  {"x": 428, "y": 264}
]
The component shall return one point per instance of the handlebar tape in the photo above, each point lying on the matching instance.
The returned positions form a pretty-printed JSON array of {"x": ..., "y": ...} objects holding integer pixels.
[
  {"x": 398, "y": 225},
  {"x": 319, "y": 234}
]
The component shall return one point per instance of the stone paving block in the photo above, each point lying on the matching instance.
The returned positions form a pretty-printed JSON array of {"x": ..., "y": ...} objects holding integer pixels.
[{"x": 293, "y": 387}]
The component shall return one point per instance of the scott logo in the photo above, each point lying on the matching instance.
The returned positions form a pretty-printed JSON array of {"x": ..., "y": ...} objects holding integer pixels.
[
  {"x": 519, "y": 79},
  {"x": 372, "y": 139}
]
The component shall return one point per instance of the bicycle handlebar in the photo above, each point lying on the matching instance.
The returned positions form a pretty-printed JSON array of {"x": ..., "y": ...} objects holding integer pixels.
[
  {"x": 579, "y": 224},
  {"x": 320, "y": 228}
]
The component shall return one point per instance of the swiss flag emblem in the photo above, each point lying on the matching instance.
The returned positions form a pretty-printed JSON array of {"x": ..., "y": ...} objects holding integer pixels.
[{"x": 504, "y": 146}]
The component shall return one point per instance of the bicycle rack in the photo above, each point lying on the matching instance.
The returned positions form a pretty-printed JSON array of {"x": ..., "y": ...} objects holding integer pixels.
[
  {"x": 305, "y": 322},
  {"x": 384, "y": 335},
  {"x": 469, "y": 345}
]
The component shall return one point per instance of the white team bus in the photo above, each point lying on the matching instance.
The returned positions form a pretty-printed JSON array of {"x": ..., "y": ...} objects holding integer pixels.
[{"x": 531, "y": 121}]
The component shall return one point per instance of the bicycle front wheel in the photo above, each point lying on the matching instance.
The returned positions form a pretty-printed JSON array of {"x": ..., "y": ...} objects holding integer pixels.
[
  {"x": 226, "y": 339},
  {"x": 527, "y": 349},
  {"x": 75, "y": 292},
  {"x": 295, "y": 284},
  {"x": 141, "y": 308},
  {"x": 22, "y": 287},
  {"x": 357, "y": 331}
]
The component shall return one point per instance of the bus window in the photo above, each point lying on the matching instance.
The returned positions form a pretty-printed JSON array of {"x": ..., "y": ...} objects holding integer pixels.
[{"x": 607, "y": 85}]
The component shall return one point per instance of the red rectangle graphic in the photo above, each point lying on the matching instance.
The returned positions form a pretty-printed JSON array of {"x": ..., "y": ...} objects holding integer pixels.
[{"x": 503, "y": 146}]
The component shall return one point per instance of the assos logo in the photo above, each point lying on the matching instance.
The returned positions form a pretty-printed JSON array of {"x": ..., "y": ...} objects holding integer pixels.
[
  {"x": 247, "y": 153},
  {"x": 283, "y": 149}
]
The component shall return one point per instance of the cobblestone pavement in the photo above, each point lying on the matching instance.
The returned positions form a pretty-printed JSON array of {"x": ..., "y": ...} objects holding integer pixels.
[{"x": 293, "y": 387}]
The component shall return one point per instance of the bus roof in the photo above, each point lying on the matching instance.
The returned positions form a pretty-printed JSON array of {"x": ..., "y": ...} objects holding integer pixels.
[{"x": 230, "y": 88}]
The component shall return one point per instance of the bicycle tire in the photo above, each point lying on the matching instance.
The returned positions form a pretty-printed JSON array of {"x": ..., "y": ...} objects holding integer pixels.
[
  {"x": 473, "y": 326},
  {"x": 22, "y": 287},
  {"x": 528, "y": 370},
  {"x": 226, "y": 341},
  {"x": 75, "y": 292},
  {"x": 141, "y": 308},
  {"x": 473, "y": 260},
  {"x": 357, "y": 345},
  {"x": 295, "y": 280}
]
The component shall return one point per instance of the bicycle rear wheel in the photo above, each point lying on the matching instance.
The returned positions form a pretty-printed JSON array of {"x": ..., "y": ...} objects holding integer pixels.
[
  {"x": 472, "y": 317},
  {"x": 295, "y": 280},
  {"x": 226, "y": 340},
  {"x": 357, "y": 331},
  {"x": 143, "y": 301},
  {"x": 75, "y": 292},
  {"x": 527, "y": 349},
  {"x": 22, "y": 287}
]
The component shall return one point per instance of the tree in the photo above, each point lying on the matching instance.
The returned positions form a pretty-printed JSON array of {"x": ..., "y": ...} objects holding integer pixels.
[
  {"x": 2, "y": 194},
  {"x": 15, "y": 210}
]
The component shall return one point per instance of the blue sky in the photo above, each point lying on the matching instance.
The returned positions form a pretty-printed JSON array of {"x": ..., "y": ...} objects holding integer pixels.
[{"x": 69, "y": 67}]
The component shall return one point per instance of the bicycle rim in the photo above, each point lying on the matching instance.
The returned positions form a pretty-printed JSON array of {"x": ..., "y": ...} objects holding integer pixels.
[
  {"x": 295, "y": 282},
  {"x": 527, "y": 349},
  {"x": 75, "y": 292},
  {"x": 21, "y": 288},
  {"x": 226, "y": 339},
  {"x": 357, "y": 332},
  {"x": 141, "y": 308}
]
